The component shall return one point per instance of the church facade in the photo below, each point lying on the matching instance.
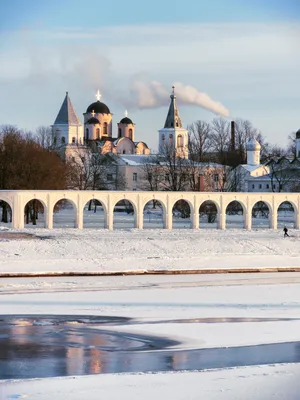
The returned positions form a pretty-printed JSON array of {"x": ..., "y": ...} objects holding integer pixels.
[
  {"x": 97, "y": 130},
  {"x": 279, "y": 174},
  {"x": 80, "y": 143},
  {"x": 173, "y": 137}
]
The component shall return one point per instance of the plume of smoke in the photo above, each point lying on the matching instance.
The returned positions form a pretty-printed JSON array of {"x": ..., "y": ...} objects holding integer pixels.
[
  {"x": 154, "y": 95},
  {"x": 190, "y": 95}
]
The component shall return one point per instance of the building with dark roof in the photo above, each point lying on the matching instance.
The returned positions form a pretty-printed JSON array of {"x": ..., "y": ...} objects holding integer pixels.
[
  {"x": 97, "y": 129},
  {"x": 173, "y": 137}
]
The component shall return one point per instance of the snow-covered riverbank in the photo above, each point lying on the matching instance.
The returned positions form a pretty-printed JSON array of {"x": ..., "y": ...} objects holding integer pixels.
[{"x": 123, "y": 250}]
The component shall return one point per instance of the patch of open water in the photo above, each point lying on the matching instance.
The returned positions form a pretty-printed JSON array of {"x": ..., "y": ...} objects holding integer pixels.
[{"x": 48, "y": 346}]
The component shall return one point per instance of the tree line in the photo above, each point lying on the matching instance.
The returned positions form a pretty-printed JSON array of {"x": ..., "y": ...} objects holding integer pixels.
[{"x": 212, "y": 141}]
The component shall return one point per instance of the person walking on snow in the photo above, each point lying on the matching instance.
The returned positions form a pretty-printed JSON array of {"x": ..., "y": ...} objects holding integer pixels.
[{"x": 285, "y": 230}]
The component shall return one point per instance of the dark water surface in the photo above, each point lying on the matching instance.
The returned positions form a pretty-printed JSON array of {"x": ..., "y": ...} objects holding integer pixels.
[{"x": 48, "y": 346}]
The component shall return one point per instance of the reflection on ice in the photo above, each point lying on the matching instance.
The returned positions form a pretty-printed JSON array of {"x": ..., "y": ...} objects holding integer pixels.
[{"x": 32, "y": 347}]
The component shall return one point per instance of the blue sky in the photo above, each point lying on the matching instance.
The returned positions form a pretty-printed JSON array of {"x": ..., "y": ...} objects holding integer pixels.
[
  {"x": 241, "y": 54},
  {"x": 17, "y": 13}
]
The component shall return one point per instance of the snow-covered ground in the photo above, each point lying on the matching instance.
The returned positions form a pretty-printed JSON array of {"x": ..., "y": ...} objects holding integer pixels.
[
  {"x": 161, "y": 299},
  {"x": 132, "y": 249},
  {"x": 280, "y": 382}
]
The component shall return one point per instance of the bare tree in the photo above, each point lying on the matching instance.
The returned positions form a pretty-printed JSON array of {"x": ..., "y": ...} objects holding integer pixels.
[
  {"x": 200, "y": 138},
  {"x": 151, "y": 173},
  {"x": 283, "y": 174},
  {"x": 244, "y": 131},
  {"x": 175, "y": 170},
  {"x": 220, "y": 137},
  {"x": 91, "y": 170},
  {"x": 291, "y": 148},
  {"x": 44, "y": 137},
  {"x": 88, "y": 170}
]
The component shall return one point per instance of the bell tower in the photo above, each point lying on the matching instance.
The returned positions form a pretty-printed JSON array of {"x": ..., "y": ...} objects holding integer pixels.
[
  {"x": 67, "y": 129},
  {"x": 173, "y": 137}
]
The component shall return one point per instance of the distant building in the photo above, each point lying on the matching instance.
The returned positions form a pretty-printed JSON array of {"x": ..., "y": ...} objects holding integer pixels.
[
  {"x": 97, "y": 130},
  {"x": 279, "y": 174},
  {"x": 128, "y": 157},
  {"x": 173, "y": 137}
]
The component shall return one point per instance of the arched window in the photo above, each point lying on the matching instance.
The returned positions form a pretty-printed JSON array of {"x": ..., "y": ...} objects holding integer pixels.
[
  {"x": 98, "y": 133},
  {"x": 130, "y": 133},
  {"x": 73, "y": 140},
  {"x": 87, "y": 134},
  {"x": 54, "y": 140},
  {"x": 105, "y": 128},
  {"x": 162, "y": 137},
  {"x": 124, "y": 151},
  {"x": 120, "y": 132},
  {"x": 179, "y": 141},
  {"x": 63, "y": 139}
]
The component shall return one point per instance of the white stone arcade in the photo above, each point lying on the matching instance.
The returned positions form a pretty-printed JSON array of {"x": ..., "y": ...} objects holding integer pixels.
[{"x": 17, "y": 199}]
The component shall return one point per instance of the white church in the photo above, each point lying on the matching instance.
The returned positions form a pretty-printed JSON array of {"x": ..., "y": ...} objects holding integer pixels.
[
  {"x": 257, "y": 177},
  {"x": 97, "y": 134},
  {"x": 97, "y": 128}
]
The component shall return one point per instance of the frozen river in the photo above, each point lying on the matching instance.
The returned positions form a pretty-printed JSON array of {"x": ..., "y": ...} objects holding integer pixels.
[
  {"x": 49, "y": 346},
  {"x": 118, "y": 324},
  {"x": 160, "y": 324}
]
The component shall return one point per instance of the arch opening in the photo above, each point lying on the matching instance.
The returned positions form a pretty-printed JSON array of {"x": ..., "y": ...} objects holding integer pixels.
[
  {"x": 286, "y": 215},
  {"x": 124, "y": 215},
  {"x": 235, "y": 215},
  {"x": 5, "y": 214},
  {"x": 64, "y": 214},
  {"x": 181, "y": 215},
  {"x": 208, "y": 215},
  {"x": 94, "y": 216},
  {"x": 153, "y": 215},
  {"x": 34, "y": 214},
  {"x": 260, "y": 215}
]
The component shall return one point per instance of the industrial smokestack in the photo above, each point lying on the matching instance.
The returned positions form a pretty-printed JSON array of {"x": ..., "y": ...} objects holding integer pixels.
[
  {"x": 232, "y": 136},
  {"x": 201, "y": 183}
]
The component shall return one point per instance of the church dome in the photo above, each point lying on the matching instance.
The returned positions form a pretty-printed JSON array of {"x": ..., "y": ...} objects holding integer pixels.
[
  {"x": 253, "y": 145},
  {"x": 126, "y": 120},
  {"x": 93, "y": 120},
  {"x": 98, "y": 108},
  {"x": 298, "y": 134}
]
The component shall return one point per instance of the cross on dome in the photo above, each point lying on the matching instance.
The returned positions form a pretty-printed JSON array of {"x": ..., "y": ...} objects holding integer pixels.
[
  {"x": 173, "y": 93},
  {"x": 93, "y": 113},
  {"x": 98, "y": 95},
  {"x": 126, "y": 113}
]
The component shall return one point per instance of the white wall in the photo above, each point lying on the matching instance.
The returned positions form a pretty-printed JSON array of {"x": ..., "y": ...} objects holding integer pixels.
[{"x": 17, "y": 199}]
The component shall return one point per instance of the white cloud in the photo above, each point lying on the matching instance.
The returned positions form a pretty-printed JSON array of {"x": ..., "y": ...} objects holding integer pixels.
[{"x": 256, "y": 64}]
